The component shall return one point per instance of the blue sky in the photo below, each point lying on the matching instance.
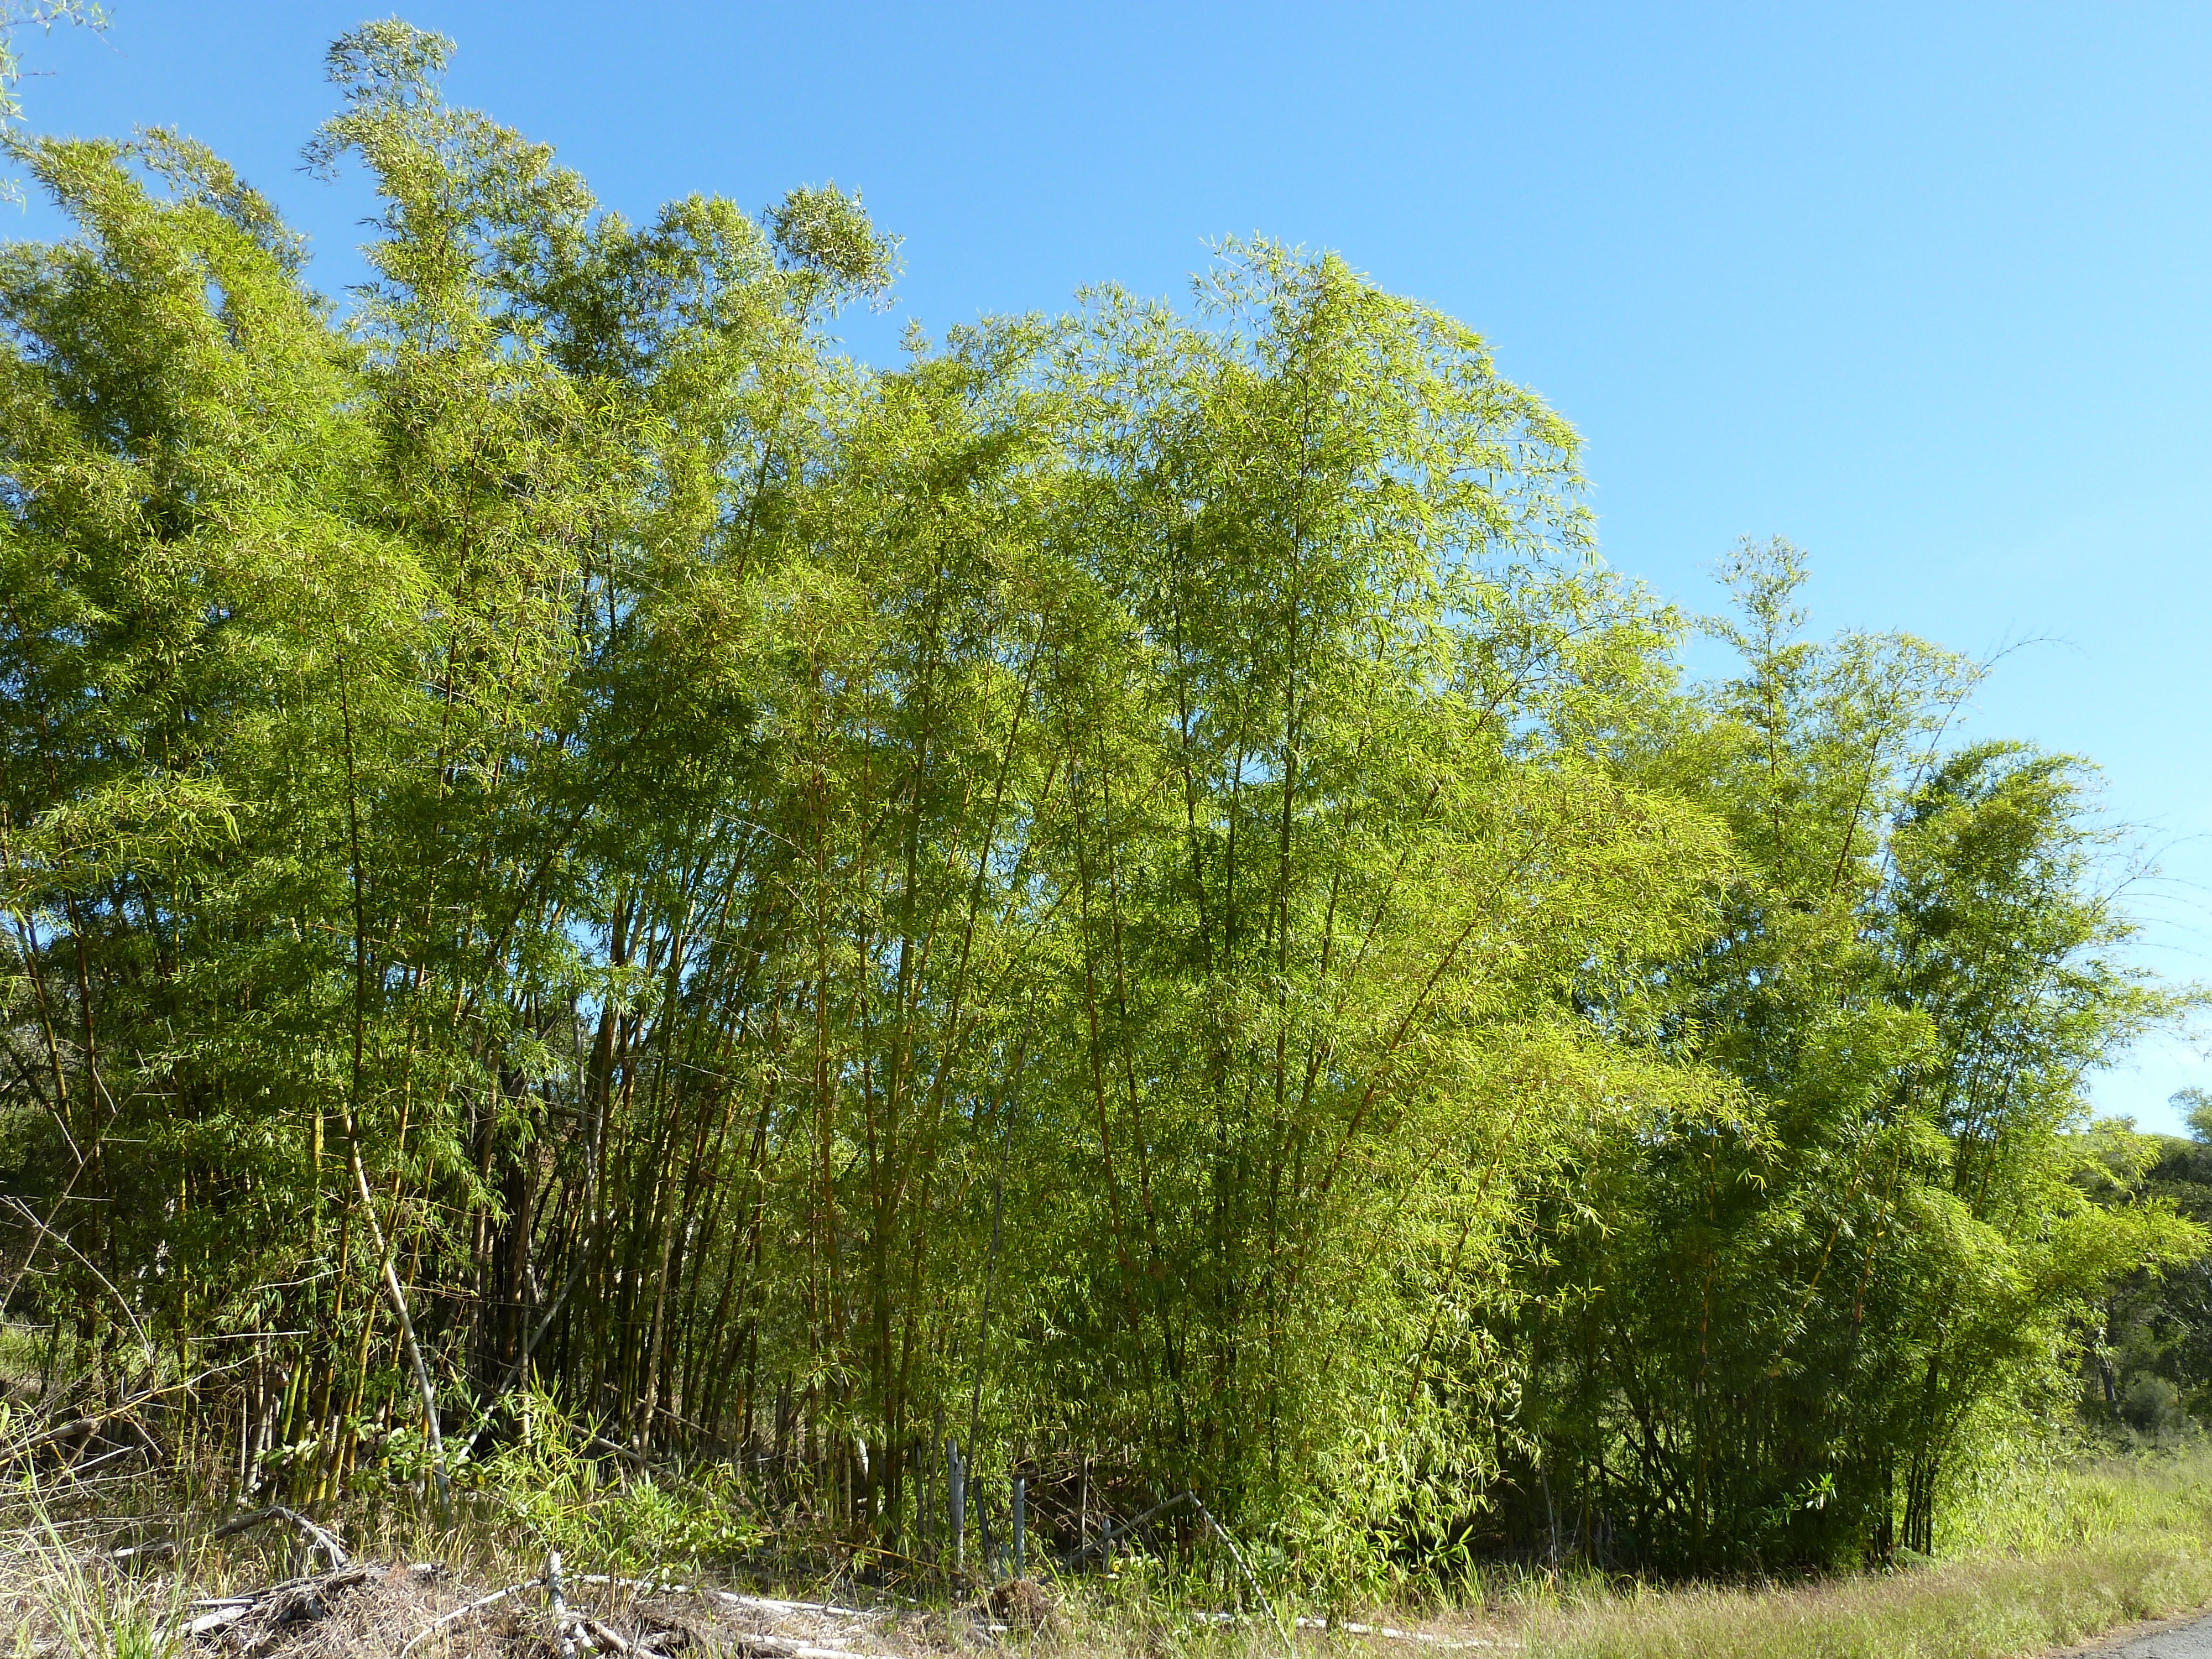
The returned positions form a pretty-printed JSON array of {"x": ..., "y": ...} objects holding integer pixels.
[{"x": 1924, "y": 289}]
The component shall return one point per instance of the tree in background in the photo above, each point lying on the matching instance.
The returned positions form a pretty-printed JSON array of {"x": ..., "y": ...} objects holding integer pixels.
[
  {"x": 1769, "y": 1345},
  {"x": 2147, "y": 1365}
]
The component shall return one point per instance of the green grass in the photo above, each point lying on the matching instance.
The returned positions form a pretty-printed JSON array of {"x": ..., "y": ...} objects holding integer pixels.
[
  {"x": 2041, "y": 1558},
  {"x": 1964, "y": 1610},
  {"x": 2040, "y": 1554},
  {"x": 47, "y": 1589}
]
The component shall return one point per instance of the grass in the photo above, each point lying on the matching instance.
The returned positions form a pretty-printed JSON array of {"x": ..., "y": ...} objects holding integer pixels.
[
  {"x": 1964, "y": 1610},
  {"x": 84, "y": 1613},
  {"x": 2039, "y": 1556}
]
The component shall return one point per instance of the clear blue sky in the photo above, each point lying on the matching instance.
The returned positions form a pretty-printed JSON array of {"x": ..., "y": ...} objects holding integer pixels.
[{"x": 1922, "y": 287}]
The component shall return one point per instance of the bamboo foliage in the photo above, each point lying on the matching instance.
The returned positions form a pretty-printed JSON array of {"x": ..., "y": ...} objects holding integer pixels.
[{"x": 1127, "y": 894}]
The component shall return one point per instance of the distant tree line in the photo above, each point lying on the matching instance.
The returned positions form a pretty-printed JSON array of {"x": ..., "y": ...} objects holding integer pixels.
[
  {"x": 2148, "y": 1366},
  {"x": 1127, "y": 895}
]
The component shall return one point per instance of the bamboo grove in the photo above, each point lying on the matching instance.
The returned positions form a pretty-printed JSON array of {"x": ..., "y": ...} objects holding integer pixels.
[{"x": 1128, "y": 893}]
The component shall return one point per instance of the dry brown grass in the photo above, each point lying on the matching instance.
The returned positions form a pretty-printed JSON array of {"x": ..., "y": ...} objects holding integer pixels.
[
  {"x": 1965, "y": 1610},
  {"x": 72, "y": 1603},
  {"x": 2044, "y": 1559}
]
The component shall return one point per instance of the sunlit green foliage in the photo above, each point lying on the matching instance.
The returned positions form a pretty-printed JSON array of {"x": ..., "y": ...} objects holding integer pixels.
[
  {"x": 1765, "y": 1346},
  {"x": 1127, "y": 891}
]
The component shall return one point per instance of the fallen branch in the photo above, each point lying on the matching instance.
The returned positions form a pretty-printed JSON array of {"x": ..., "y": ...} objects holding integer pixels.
[
  {"x": 64, "y": 1431},
  {"x": 477, "y": 1606},
  {"x": 77, "y": 1472},
  {"x": 284, "y": 1599},
  {"x": 606, "y": 1636},
  {"x": 600, "y": 1443},
  {"x": 168, "y": 1545},
  {"x": 643, "y": 1586},
  {"x": 576, "y": 1632},
  {"x": 1289, "y": 1641},
  {"x": 124, "y": 1410},
  {"x": 1353, "y": 1627},
  {"x": 769, "y": 1604},
  {"x": 1127, "y": 1528},
  {"x": 1190, "y": 1497},
  {"x": 220, "y": 1619},
  {"x": 785, "y": 1647}
]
